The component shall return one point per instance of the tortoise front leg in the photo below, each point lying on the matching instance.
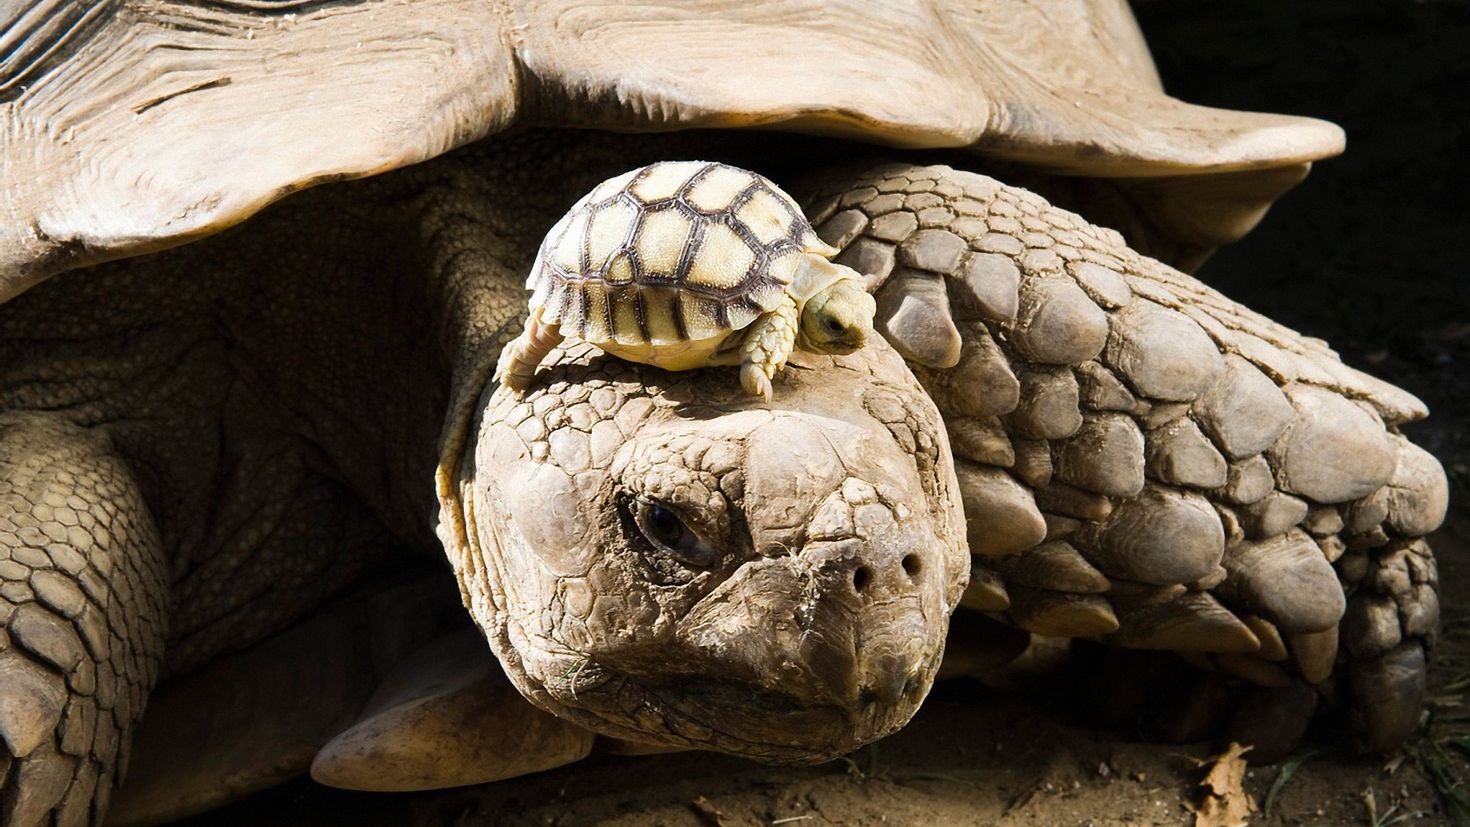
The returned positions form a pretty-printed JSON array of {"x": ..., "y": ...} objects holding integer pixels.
[
  {"x": 83, "y": 606},
  {"x": 767, "y": 346},
  {"x": 1146, "y": 463}
]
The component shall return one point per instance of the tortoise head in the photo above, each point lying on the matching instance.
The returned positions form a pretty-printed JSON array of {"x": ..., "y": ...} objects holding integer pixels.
[
  {"x": 658, "y": 557},
  {"x": 839, "y": 318}
]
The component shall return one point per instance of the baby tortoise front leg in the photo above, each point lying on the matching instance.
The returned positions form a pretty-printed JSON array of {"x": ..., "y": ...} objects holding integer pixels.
[
  {"x": 766, "y": 347},
  {"x": 1145, "y": 462},
  {"x": 83, "y": 603},
  {"x": 520, "y": 358}
]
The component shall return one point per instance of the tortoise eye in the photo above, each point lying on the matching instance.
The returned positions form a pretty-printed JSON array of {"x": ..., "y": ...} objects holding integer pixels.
[
  {"x": 834, "y": 326},
  {"x": 667, "y": 532}
]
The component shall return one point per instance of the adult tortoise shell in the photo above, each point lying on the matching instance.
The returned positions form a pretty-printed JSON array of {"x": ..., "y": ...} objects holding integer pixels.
[{"x": 682, "y": 264}]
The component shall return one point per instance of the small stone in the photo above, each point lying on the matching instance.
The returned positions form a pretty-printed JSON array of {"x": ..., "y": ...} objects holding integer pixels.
[
  {"x": 1285, "y": 580},
  {"x": 870, "y": 257},
  {"x": 842, "y": 228},
  {"x": 1244, "y": 411},
  {"x": 1106, "y": 287},
  {"x": 1054, "y": 565},
  {"x": 1162, "y": 354},
  {"x": 1103, "y": 391},
  {"x": 1180, "y": 454},
  {"x": 1248, "y": 480},
  {"x": 894, "y": 227},
  {"x": 1060, "y": 614},
  {"x": 1418, "y": 492},
  {"x": 1105, "y": 455},
  {"x": 1057, "y": 324},
  {"x": 937, "y": 251},
  {"x": 1000, "y": 514},
  {"x": 1160, "y": 536},
  {"x": 1333, "y": 451},
  {"x": 1272, "y": 515},
  {"x": 914, "y": 313},
  {"x": 1048, "y": 404},
  {"x": 988, "y": 288}
]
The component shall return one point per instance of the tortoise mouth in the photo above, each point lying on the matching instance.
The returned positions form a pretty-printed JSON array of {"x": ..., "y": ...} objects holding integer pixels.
[{"x": 778, "y": 727}]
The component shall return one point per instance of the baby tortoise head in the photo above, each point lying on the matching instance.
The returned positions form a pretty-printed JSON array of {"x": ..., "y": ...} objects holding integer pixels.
[
  {"x": 837, "y": 319},
  {"x": 659, "y": 557}
]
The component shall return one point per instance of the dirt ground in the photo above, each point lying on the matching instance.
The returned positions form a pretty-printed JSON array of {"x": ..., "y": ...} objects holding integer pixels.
[{"x": 1369, "y": 253}]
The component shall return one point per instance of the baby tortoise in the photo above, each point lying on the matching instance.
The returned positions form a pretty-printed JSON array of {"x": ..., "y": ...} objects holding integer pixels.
[{"x": 686, "y": 264}]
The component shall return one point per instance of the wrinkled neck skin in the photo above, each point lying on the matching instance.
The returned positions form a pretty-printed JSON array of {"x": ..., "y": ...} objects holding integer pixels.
[{"x": 802, "y": 610}]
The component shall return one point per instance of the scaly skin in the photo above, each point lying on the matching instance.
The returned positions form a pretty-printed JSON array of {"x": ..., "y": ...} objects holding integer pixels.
[{"x": 282, "y": 396}]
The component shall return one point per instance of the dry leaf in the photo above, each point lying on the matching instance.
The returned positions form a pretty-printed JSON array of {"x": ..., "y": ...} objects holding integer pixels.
[{"x": 1223, "y": 799}]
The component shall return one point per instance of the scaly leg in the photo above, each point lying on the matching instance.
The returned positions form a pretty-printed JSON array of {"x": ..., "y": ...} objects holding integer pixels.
[
  {"x": 766, "y": 347},
  {"x": 83, "y": 609},
  {"x": 519, "y": 360}
]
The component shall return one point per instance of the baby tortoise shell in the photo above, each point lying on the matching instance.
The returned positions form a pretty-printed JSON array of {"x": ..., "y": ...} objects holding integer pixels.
[{"x": 662, "y": 264}]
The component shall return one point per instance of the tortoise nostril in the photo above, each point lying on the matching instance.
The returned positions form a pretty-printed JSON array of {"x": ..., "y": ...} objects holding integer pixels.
[
  {"x": 912, "y": 564},
  {"x": 861, "y": 577}
]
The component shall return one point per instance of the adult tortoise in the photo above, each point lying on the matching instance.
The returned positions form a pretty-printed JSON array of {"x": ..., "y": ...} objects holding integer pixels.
[{"x": 218, "y": 459}]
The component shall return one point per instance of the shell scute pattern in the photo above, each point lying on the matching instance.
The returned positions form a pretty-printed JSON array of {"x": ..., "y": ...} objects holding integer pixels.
[{"x": 673, "y": 252}]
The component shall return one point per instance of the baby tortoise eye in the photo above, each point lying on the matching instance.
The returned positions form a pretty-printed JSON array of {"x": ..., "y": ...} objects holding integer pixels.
[{"x": 667, "y": 532}]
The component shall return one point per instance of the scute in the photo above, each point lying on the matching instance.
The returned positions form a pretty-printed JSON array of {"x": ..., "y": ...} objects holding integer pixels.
[
  {"x": 718, "y": 189},
  {"x": 661, "y": 182},
  {"x": 722, "y": 260},
  {"x": 677, "y": 251},
  {"x": 662, "y": 238}
]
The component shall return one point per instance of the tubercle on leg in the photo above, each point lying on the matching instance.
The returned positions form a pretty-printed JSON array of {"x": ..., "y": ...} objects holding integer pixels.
[{"x": 518, "y": 362}]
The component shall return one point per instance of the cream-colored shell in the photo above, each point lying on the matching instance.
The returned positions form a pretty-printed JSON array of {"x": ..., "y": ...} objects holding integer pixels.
[{"x": 671, "y": 258}]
